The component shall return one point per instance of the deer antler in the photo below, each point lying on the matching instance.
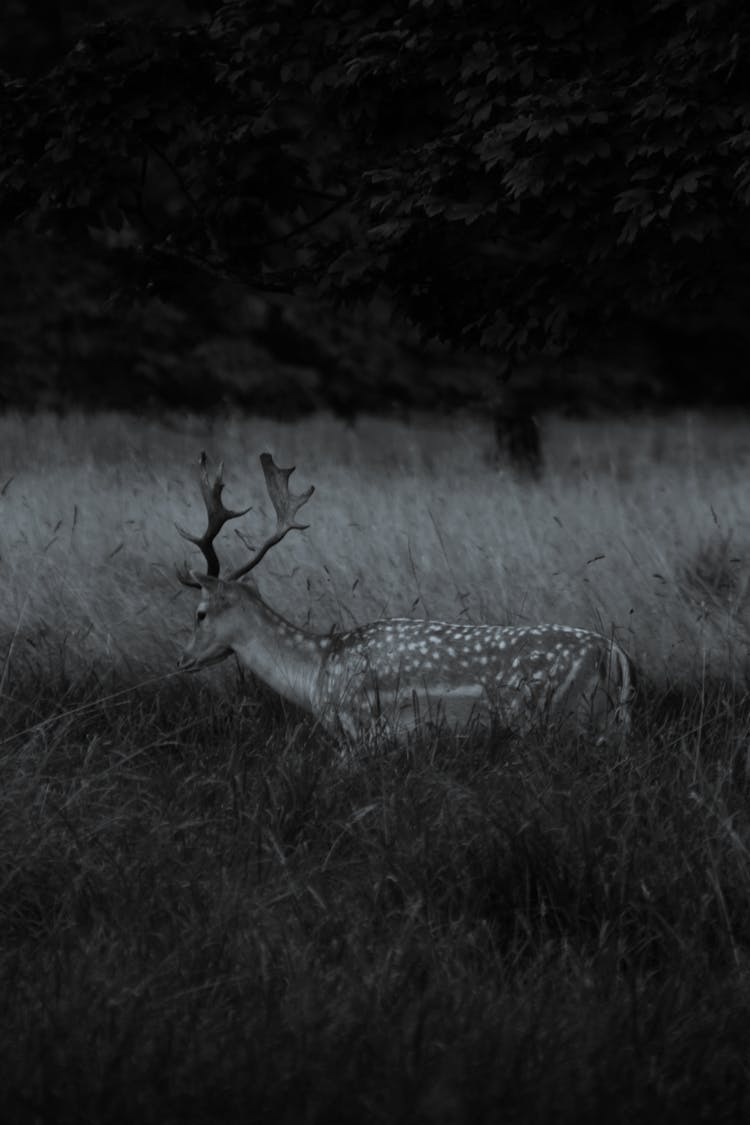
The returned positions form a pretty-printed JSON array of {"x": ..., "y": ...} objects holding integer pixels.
[
  {"x": 286, "y": 505},
  {"x": 217, "y": 517}
]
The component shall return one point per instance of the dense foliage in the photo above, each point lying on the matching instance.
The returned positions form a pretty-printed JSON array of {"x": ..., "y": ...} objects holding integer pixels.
[{"x": 520, "y": 176}]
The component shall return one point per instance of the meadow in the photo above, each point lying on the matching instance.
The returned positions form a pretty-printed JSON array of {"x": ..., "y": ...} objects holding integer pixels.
[{"x": 204, "y": 917}]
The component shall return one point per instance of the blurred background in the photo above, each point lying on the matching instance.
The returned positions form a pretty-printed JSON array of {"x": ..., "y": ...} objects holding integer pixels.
[{"x": 287, "y": 211}]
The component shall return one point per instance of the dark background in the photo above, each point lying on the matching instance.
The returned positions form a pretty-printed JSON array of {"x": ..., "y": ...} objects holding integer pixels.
[{"x": 113, "y": 296}]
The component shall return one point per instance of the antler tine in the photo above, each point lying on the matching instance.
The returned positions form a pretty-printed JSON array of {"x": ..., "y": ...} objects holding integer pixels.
[
  {"x": 217, "y": 516},
  {"x": 286, "y": 505}
]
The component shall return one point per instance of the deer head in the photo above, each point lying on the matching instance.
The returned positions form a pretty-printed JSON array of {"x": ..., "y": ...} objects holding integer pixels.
[{"x": 217, "y": 618}]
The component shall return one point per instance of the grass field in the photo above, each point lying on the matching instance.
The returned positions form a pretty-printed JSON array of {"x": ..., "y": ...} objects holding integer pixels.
[{"x": 204, "y": 917}]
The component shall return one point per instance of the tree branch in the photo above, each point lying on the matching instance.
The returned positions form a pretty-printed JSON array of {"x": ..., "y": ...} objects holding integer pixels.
[{"x": 224, "y": 272}]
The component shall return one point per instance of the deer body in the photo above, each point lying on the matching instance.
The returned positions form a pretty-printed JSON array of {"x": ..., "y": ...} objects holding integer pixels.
[
  {"x": 394, "y": 674},
  {"x": 400, "y": 672}
]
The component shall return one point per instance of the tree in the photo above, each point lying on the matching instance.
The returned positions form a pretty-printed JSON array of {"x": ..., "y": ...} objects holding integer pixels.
[{"x": 521, "y": 176}]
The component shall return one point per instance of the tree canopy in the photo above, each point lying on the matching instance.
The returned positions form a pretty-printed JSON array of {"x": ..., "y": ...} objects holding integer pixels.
[{"x": 521, "y": 176}]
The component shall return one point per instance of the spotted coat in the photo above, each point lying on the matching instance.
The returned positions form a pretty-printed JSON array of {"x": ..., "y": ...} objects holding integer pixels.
[
  {"x": 399, "y": 671},
  {"x": 391, "y": 675}
]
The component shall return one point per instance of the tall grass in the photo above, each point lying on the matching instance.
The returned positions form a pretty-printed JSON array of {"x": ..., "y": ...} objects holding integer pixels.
[
  {"x": 638, "y": 526},
  {"x": 205, "y": 917}
]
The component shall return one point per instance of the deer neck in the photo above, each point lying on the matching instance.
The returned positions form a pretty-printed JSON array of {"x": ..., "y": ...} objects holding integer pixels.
[{"x": 286, "y": 658}]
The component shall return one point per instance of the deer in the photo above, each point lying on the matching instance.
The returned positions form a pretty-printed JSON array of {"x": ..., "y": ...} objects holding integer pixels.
[{"x": 395, "y": 674}]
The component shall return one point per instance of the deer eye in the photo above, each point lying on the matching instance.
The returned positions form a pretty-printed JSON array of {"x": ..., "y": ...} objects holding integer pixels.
[{"x": 200, "y": 615}]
